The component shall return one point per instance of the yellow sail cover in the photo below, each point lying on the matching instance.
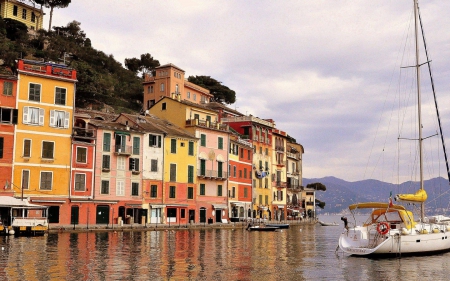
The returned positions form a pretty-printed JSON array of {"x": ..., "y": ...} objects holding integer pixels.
[{"x": 419, "y": 196}]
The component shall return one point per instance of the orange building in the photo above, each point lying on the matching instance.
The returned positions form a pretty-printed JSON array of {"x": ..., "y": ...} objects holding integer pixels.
[
  {"x": 8, "y": 119},
  {"x": 170, "y": 80}
]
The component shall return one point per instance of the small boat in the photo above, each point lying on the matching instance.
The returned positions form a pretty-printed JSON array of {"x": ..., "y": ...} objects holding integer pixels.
[
  {"x": 262, "y": 228},
  {"x": 279, "y": 225},
  {"x": 322, "y": 223}
]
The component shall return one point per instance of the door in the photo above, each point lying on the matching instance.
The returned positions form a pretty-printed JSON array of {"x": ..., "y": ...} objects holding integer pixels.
[
  {"x": 155, "y": 216},
  {"x": 102, "y": 216},
  {"x": 74, "y": 215},
  {"x": 192, "y": 216},
  {"x": 53, "y": 214},
  {"x": 219, "y": 215},
  {"x": 203, "y": 215}
]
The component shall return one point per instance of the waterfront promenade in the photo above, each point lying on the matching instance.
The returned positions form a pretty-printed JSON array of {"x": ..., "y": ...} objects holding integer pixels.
[{"x": 163, "y": 227}]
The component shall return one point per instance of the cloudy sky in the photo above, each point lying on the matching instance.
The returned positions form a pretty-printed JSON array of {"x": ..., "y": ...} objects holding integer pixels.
[{"x": 323, "y": 70}]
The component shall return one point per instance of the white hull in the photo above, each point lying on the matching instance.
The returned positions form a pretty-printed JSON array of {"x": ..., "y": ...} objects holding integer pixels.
[{"x": 365, "y": 240}]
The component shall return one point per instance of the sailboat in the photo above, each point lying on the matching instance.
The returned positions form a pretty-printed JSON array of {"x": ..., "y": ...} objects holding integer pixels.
[{"x": 391, "y": 229}]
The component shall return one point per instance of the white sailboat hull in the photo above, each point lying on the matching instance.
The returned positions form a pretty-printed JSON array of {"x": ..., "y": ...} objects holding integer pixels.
[{"x": 363, "y": 241}]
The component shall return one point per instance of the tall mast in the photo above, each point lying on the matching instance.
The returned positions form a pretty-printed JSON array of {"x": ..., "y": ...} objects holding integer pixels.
[{"x": 419, "y": 102}]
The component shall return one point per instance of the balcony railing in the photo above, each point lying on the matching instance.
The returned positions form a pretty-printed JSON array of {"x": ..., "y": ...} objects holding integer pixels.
[
  {"x": 123, "y": 149},
  {"x": 212, "y": 174},
  {"x": 207, "y": 124},
  {"x": 294, "y": 186},
  {"x": 280, "y": 184},
  {"x": 79, "y": 132},
  {"x": 293, "y": 155}
]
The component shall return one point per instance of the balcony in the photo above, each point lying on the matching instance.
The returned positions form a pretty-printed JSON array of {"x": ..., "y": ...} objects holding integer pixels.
[
  {"x": 295, "y": 156},
  {"x": 294, "y": 186},
  {"x": 249, "y": 119},
  {"x": 279, "y": 148},
  {"x": 123, "y": 149},
  {"x": 280, "y": 184},
  {"x": 79, "y": 132},
  {"x": 212, "y": 174},
  {"x": 206, "y": 124}
]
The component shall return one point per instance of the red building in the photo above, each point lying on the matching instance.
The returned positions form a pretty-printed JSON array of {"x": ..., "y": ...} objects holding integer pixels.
[{"x": 8, "y": 119}]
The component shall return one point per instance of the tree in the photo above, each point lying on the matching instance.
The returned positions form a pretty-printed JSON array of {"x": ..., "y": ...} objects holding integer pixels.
[
  {"x": 146, "y": 64},
  {"x": 320, "y": 204},
  {"x": 53, "y": 4},
  {"x": 317, "y": 186},
  {"x": 221, "y": 93}
]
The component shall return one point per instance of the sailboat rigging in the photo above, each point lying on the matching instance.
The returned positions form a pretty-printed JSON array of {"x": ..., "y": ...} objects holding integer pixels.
[{"x": 391, "y": 228}]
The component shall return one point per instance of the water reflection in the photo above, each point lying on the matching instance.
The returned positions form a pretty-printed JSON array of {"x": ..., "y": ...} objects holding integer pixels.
[{"x": 299, "y": 253}]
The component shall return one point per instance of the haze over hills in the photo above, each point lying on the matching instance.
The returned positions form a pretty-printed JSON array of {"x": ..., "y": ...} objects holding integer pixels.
[{"x": 340, "y": 193}]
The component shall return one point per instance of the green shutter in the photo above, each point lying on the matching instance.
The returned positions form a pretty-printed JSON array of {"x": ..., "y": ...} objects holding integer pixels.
[
  {"x": 203, "y": 140},
  {"x": 136, "y": 145},
  {"x": 191, "y": 148},
  {"x": 173, "y": 146},
  {"x": 202, "y": 167},
  {"x": 106, "y": 141},
  {"x": 220, "y": 143},
  {"x": 190, "y": 174}
]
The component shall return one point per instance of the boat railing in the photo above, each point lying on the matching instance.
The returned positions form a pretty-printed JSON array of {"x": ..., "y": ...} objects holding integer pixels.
[{"x": 20, "y": 221}]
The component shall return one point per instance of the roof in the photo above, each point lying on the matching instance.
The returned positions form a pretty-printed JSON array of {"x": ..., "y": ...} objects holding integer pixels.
[
  {"x": 7, "y": 201},
  {"x": 375, "y": 205},
  {"x": 7, "y": 73},
  {"x": 218, "y": 105},
  {"x": 171, "y": 65},
  {"x": 152, "y": 123},
  {"x": 95, "y": 114}
]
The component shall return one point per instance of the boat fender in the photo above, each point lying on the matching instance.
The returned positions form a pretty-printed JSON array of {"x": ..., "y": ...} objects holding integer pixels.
[
  {"x": 424, "y": 231},
  {"x": 383, "y": 228},
  {"x": 448, "y": 228},
  {"x": 435, "y": 230},
  {"x": 405, "y": 231}
]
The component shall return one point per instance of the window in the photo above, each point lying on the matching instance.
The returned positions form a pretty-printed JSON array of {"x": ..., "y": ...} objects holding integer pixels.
[
  {"x": 15, "y": 10},
  {"x": 173, "y": 146},
  {"x": 260, "y": 200},
  {"x": 7, "y": 88},
  {"x": 248, "y": 155},
  {"x": 24, "y": 14},
  {"x": 80, "y": 182},
  {"x": 267, "y": 199},
  {"x": 150, "y": 89},
  {"x": 161, "y": 88},
  {"x": 196, "y": 116},
  {"x": 133, "y": 164},
  {"x": 245, "y": 192},
  {"x": 81, "y": 154},
  {"x": 26, "y": 148},
  {"x": 190, "y": 193},
  {"x": 120, "y": 188},
  {"x": 34, "y": 92},
  {"x": 154, "y": 141},
  {"x": 203, "y": 140},
  {"x": 267, "y": 151},
  {"x": 106, "y": 162},
  {"x": 190, "y": 174},
  {"x": 136, "y": 145},
  {"x": 173, "y": 172},
  {"x": 8, "y": 115},
  {"x": 33, "y": 17},
  {"x": 120, "y": 142},
  {"x": 120, "y": 163},
  {"x": 25, "y": 179},
  {"x": 46, "y": 181},
  {"x": 172, "y": 192},
  {"x": 47, "y": 149},
  {"x": 195, "y": 96},
  {"x": 202, "y": 189},
  {"x": 105, "y": 187},
  {"x": 188, "y": 95},
  {"x": 234, "y": 171},
  {"x": 245, "y": 173},
  {"x": 163, "y": 106},
  {"x": 60, "y": 96},
  {"x": 33, "y": 115},
  {"x": 219, "y": 190},
  {"x": 153, "y": 191},
  {"x": 240, "y": 173},
  {"x": 134, "y": 189},
  {"x": 1, "y": 146},
  {"x": 220, "y": 145},
  {"x": 191, "y": 148},
  {"x": 219, "y": 169},
  {"x": 242, "y": 153},
  {"x": 234, "y": 192},
  {"x": 154, "y": 165},
  {"x": 202, "y": 167},
  {"x": 106, "y": 142},
  {"x": 59, "y": 119},
  {"x": 260, "y": 150}
]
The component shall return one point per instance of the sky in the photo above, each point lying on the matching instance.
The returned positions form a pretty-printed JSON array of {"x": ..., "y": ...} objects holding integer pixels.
[{"x": 323, "y": 70}]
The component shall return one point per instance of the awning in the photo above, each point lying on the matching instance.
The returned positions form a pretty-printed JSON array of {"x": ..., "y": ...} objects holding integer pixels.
[
  {"x": 134, "y": 205},
  {"x": 220, "y": 206},
  {"x": 155, "y": 206},
  {"x": 280, "y": 206},
  {"x": 240, "y": 203},
  {"x": 121, "y": 133}
]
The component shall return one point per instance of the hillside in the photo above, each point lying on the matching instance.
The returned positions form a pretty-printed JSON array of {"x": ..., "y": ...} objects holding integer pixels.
[
  {"x": 341, "y": 193},
  {"x": 101, "y": 79}
]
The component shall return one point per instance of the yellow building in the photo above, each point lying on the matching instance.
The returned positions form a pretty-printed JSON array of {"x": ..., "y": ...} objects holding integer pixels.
[
  {"x": 42, "y": 152},
  {"x": 24, "y": 11}
]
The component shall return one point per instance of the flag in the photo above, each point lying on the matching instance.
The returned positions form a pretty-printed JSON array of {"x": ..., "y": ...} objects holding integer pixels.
[{"x": 390, "y": 200}]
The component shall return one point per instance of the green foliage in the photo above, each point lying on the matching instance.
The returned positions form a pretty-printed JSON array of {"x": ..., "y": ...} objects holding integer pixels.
[
  {"x": 52, "y": 4},
  {"x": 320, "y": 204},
  {"x": 221, "y": 93},
  {"x": 146, "y": 64},
  {"x": 317, "y": 186}
]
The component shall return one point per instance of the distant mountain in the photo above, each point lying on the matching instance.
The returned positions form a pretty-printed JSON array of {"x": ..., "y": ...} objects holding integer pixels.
[{"x": 340, "y": 193}]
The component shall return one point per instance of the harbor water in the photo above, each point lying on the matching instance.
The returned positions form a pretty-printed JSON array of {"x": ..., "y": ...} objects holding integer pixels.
[{"x": 303, "y": 252}]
